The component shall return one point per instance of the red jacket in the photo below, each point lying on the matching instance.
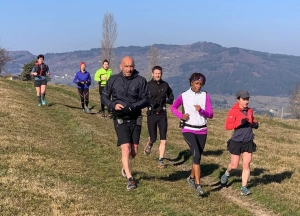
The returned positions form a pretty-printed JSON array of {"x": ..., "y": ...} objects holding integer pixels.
[{"x": 235, "y": 116}]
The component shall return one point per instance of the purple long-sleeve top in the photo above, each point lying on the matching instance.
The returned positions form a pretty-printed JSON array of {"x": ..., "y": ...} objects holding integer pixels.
[{"x": 207, "y": 112}]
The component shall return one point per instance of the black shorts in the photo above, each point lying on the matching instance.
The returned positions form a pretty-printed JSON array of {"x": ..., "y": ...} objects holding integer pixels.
[
  {"x": 127, "y": 133},
  {"x": 38, "y": 83},
  {"x": 160, "y": 121},
  {"x": 237, "y": 148}
]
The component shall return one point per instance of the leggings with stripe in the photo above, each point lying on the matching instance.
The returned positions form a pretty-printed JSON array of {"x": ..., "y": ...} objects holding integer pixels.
[
  {"x": 84, "y": 96},
  {"x": 196, "y": 143}
]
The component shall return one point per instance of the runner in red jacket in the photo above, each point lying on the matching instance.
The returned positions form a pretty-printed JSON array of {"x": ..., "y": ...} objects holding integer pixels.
[{"x": 240, "y": 119}]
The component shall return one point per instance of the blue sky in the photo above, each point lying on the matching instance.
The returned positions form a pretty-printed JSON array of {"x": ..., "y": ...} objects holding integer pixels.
[{"x": 62, "y": 26}]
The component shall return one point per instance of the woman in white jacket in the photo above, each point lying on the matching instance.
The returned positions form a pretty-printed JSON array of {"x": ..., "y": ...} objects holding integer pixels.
[{"x": 196, "y": 109}]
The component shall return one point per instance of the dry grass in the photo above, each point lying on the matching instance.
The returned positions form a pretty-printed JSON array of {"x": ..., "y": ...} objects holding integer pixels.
[{"x": 57, "y": 161}]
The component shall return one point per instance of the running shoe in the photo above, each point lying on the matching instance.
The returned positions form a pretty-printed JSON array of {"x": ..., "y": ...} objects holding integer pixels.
[
  {"x": 131, "y": 184},
  {"x": 224, "y": 179},
  {"x": 147, "y": 150},
  {"x": 191, "y": 182},
  {"x": 245, "y": 191},
  {"x": 199, "y": 191},
  {"x": 161, "y": 164}
]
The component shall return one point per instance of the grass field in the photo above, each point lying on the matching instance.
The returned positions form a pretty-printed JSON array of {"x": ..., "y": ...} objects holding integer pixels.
[{"x": 56, "y": 160}]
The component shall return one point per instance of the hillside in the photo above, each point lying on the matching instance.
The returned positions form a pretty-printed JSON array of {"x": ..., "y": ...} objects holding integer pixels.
[
  {"x": 227, "y": 69},
  {"x": 57, "y": 161}
]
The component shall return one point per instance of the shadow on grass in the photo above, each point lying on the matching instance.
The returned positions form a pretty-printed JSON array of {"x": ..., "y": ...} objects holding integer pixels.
[
  {"x": 265, "y": 179},
  {"x": 142, "y": 176},
  {"x": 237, "y": 173},
  {"x": 185, "y": 155},
  {"x": 268, "y": 178},
  {"x": 206, "y": 169},
  {"x": 213, "y": 153},
  {"x": 71, "y": 107}
]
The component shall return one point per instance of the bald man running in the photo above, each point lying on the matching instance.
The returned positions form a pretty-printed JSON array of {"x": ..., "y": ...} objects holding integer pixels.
[{"x": 130, "y": 95}]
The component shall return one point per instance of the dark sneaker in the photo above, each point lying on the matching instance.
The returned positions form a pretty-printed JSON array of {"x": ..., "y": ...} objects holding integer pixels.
[
  {"x": 245, "y": 191},
  {"x": 131, "y": 184},
  {"x": 103, "y": 115},
  {"x": 147, "y": 150},
  {"x": 224, "y": 179},
  {"x": 191, "y": 182},
  {"x": 123, "y": 173},
  {"x": 199, "y": 191},
  {"x": 161, "y": 164}
]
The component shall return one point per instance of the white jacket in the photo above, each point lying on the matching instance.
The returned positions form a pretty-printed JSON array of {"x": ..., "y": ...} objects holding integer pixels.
[{"x": 189, "y": 99}]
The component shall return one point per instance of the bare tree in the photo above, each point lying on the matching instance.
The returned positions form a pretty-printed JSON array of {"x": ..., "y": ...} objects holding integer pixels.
[
  {"x": 4, "y": 58},
  {"x": 109, "y": 36},
  {"x": 153, "y": 60},
  {"x": 295, "y": 101}
]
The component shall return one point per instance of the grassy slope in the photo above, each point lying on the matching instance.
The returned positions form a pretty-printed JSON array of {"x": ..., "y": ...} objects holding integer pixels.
[{"x": 57, "y": 161}]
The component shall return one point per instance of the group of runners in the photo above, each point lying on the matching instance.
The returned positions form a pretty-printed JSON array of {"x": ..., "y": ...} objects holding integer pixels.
[{"x": 125, "y": 95}]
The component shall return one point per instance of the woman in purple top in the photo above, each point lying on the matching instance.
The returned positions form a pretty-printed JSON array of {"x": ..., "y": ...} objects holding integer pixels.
[
  {"x": 196, "y": 109},
  {"x": 83, "y": 80}
]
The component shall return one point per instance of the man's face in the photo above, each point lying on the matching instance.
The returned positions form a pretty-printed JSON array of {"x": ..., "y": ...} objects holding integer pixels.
[
  {"x": 243, "y": 102},
  {"x": 156, "y": 75},
  {"x": 127, "y": 67},
  {"x": 40, "y": 60},
  {"x": 105, "y": 65}
]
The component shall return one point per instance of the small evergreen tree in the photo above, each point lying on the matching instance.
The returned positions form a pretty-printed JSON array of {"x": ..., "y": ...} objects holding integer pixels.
[{"x": 25, "y": 75}]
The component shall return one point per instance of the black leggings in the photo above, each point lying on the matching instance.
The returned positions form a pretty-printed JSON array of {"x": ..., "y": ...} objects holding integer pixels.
[
  {"x": 84, "y": 97},
  {"x": 196, "y": 143},
  {"x": 102, "y": 105},
  {"x": 159, "y": 120}
]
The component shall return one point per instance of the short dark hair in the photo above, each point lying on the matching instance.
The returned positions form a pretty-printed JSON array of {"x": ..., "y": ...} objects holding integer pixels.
[
  {"x": 157, "y": 68},
  {"x": 40, "y": 56},
  {"x": 105, "y": 60},
  {"x": 197, "y": 76}
]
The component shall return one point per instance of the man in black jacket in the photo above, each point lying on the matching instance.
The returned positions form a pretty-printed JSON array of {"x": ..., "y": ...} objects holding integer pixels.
[
  {"x": 161, "y": 94},
  {"x": 126, "y": 94}
]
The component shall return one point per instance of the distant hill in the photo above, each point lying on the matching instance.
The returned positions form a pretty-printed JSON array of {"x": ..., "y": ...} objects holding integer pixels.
[{"x": 226, "y": 69}]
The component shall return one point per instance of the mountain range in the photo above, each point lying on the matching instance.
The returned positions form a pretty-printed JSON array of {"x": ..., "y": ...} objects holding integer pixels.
[{"x": 227, "y": 69}]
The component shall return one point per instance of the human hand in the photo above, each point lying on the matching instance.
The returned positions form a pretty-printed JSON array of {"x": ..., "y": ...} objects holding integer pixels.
[
  {"x": 169, "y": 101},
  {"x": 185, "y": 116},
  {"x": 198, "y": 107},
  {"x": 255, "y": 125},
  {"x": 119, "y": 106},
  {"x": 127, "y": 109},
  {"x": 34, "y": 73}
]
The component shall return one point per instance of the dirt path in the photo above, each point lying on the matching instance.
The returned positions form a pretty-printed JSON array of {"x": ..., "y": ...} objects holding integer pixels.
[{"x": 245, "y": 202}]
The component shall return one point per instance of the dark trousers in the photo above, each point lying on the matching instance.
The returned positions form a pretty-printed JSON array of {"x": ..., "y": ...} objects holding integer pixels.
[
  {"x": 160, "y": 121},
  {"x": 102, "y": 106},
  {"x": 84, "y": 97},
  {"x": 196, "y": 143}
]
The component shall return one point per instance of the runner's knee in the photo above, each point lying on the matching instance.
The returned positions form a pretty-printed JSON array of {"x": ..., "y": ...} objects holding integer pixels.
[{"x": 246, "y": 166}]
